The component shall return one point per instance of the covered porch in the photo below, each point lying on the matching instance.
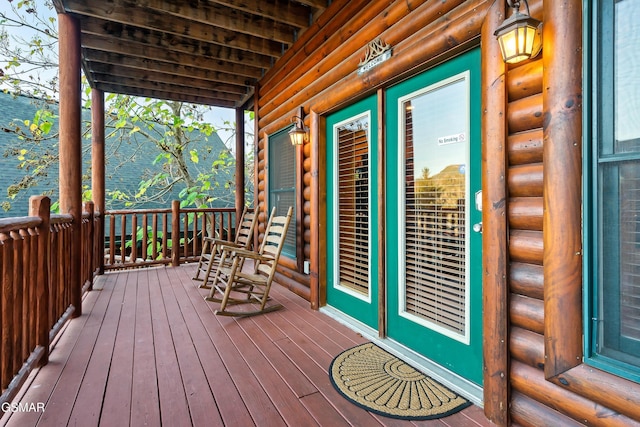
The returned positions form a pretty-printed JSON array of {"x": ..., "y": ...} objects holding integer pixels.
[{"x": 148, "y": 350}]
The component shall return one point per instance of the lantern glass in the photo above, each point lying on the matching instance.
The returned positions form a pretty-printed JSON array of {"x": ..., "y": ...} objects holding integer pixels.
[
  {"x": 297, "y": 135},
  {"x": 517, "y": 38}
]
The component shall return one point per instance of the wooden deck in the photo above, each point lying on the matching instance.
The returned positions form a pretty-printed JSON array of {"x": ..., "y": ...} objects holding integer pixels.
[{"x": 148, "y": 350}]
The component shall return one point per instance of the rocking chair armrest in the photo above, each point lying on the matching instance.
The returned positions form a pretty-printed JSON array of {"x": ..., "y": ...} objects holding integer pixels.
[
  {"x": 245, "y": 253},
  {"x": 216, "y": 241}
]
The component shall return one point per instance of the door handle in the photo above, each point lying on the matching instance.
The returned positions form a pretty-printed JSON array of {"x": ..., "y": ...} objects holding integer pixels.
[{"x": 478, "y": 227}]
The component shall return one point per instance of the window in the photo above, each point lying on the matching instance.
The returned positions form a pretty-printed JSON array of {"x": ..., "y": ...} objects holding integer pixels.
[
  {"x": 614, "y": 196},
  {"x": 282, "y": 184}
]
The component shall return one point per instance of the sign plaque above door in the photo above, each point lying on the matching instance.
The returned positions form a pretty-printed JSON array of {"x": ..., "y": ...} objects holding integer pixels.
[{"x": 376, "y": 53}]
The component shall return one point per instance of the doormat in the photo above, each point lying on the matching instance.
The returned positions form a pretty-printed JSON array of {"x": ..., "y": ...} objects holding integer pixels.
[{"x": 381, "y": 383}]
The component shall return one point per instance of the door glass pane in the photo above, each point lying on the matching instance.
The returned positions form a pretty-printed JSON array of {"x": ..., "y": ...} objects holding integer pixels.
[
  {"x": 435, "y": 129},
  {"x": 352, "y": 140}
]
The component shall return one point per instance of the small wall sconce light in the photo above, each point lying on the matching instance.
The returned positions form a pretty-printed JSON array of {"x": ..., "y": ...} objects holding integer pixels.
[
  {"x": 299, "y": 133},
  {"x": 519, "y": 36}
]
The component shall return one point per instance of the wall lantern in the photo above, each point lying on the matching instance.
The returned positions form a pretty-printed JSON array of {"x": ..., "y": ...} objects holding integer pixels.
[
  {"x": 519, "y": 36},
  {"x": 299, "y": 133}
]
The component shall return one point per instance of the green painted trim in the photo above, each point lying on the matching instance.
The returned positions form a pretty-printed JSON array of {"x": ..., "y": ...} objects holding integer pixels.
[{"x": 365, "y": 311}]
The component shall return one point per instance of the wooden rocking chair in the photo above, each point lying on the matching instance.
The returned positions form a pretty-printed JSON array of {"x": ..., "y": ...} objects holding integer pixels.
[
  {"x": 211, "y": 252},
  {"x": 250, "y": 287}
]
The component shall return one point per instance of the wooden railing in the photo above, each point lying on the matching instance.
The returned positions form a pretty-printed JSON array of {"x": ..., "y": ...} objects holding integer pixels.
[
  {"x": 36, "y": 268},
  {"x": 27, "y": 289},
  {"x": 139, "y": 238}
]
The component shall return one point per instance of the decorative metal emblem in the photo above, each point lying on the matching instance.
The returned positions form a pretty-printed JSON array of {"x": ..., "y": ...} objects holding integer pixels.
[{"x": 376, "y": 53}]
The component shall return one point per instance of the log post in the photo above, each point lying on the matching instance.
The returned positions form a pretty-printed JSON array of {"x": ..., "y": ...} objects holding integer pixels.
[
  {"x": 562, "y": 186},
  {"x": 494, "y": 243},
  {"x": 71, "y": 147},
  {"x": 256, "y": 166},
  {"x": 175, "y": 233},
  {"x": 98, "y": 169},
  {"x": 239, "y": 164},
  {"x": 318, "y": 136},
  {"x": 40, "y": 206}
]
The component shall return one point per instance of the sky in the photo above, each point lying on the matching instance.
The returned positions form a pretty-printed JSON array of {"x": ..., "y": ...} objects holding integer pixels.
[{"x": 217, "y": 116}]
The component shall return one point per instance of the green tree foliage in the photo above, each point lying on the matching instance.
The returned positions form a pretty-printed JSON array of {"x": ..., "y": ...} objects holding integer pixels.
[{"x": 177, "y": 131}]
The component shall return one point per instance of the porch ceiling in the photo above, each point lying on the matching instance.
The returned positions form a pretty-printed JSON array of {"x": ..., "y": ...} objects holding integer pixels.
[{"x": 199, "y": 51}]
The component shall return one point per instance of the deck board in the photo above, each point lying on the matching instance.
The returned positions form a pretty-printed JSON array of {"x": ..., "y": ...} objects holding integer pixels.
[
  {"x": 174, "y": 408},
  {"x": 148, "y": 350},
  {"x": 116, "y": 407},
  {"x": 144, "y": 390}
]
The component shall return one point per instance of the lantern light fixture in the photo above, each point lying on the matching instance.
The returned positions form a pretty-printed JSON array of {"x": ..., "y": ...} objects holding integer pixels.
[
  {"x": 299, "y": 133},
  {"x": 520, "y": 35}
]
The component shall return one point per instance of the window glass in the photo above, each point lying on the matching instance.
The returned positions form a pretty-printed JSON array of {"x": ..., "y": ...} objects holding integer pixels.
[
  {"x": 435, "y": 192},
  {"x": 352, "y": 139},
  {"x": 616, "y": 186},
  {"x": 627, "y": 76},
  {"x": 282, "y": 184}
]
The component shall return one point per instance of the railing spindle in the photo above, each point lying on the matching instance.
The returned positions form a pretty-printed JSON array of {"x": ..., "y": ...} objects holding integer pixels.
[
  {"x": 6, "y": 353},
  {"x": 112, "y": 239},
  {"x": 134, "y": 238},
  {"x": 123, "y": 238},
  {"x": 145, "y": 239},
  {"x": 154, "y": 236},
  {"x": 165, "y": 231}
]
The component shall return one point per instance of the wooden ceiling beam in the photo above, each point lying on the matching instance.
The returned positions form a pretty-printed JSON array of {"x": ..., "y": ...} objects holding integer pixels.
[
  {"x": 184, "y": 19},
  {"x": 155, "y": 94},
  {"x": 172, "y": 79},
  {"x": 163, "y": 87},
  {"x": 183, "y": 59},
  {"x": 250, "y": 65},
  {"x": 153, "y": 38},
  {"x": 94, "y": 56},
  {"x": 285, "y": 11},
  {"x": 221, "y": 16},
  {"x": 154, "y": 20}
]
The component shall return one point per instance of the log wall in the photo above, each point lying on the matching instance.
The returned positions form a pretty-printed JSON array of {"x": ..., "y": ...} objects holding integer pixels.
[{"x": 534, "y": 374}]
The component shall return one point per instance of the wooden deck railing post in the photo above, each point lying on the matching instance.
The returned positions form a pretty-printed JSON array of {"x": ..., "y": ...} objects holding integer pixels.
[
  {"x": 89, "y": 243},
  {"x": 40, "y": 206},
  {"x": 175, "y": 233}
]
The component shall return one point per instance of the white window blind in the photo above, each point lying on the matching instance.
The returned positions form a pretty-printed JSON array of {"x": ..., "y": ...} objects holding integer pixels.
[
  {"x": 353, "y": 205},
  {"x": 434, "y": 211}
]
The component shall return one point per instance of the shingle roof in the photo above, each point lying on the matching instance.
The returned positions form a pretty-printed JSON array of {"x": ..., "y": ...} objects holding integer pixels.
[{"x": 120, "y": 173}]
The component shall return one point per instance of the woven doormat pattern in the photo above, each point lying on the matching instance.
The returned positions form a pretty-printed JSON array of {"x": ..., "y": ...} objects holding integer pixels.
[{"x": 381, "y": 383}]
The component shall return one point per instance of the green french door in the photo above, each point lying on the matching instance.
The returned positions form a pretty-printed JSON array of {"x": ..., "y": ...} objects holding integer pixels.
[
  {"x": 352, "y": 183},
  {"x": 434, "y": 259}
]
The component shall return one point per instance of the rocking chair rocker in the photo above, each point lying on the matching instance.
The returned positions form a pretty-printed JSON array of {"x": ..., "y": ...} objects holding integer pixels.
[
  {"x": 242, "y": 287},
  {"x": 211, "y": 252}
]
